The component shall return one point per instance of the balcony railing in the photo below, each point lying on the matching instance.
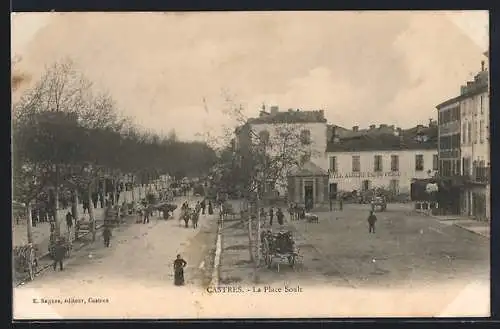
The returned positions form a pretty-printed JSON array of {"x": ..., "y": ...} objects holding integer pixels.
[{"x": 480, "y": 174}]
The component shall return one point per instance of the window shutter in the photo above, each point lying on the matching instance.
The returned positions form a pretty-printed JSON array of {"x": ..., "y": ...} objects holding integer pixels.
[
  {"x": 326, "y": 191},
  {"x": 318, "y": 188},
  {"x": 301, "y": 190}
]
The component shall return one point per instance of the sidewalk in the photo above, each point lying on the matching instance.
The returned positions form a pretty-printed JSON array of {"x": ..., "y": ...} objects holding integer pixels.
[
  {"x": 474, "y": 226},
  {"x": 41, "y": 232}
]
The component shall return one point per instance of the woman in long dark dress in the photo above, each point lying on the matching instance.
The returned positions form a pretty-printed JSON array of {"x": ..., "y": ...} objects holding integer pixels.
[
  {"x": 179, "y": 265},
  {"x": 210, "y": 208}
]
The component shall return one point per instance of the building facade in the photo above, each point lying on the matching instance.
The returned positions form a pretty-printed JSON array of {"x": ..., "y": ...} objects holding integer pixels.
[
  {"x": 388, "y": 161},
  {"x": 449, "y": 132},
  {"x": 473, "y": 166},
  {"x": 308, "y": 129}
]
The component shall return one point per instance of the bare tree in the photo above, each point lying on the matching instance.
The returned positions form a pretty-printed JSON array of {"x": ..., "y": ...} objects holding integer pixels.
[{"x": 264, "y": 157}]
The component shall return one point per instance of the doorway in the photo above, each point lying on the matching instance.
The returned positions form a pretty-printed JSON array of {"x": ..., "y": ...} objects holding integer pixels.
[
  {"x": 309, "y": 195},
  {"x": 333, "y": 190}
]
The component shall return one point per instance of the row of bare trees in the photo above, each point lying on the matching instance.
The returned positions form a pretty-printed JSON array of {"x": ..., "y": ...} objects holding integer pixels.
[{"x": 66, "y": 136}]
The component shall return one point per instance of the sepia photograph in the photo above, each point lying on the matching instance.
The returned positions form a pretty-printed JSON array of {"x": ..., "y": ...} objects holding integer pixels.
[{"x": 229, "y": 165}]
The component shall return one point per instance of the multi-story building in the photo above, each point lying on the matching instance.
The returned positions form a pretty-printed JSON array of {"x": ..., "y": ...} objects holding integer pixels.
[
  {"x": 382, "y": 157},
  {"x": 311, "y": 125},
  {"x": 473, "y": 165},
  {"x": 449, "y": 138}
]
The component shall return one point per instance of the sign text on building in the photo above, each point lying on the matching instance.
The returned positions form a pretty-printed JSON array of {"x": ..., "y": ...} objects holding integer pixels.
[{"x": 337, "y": 175}]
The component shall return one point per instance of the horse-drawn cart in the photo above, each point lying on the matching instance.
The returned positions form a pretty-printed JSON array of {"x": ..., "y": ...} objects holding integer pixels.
[{"x": 278, "y": 248}]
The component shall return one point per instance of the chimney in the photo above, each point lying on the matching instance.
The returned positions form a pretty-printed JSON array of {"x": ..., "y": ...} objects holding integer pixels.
[
  {"x": 372, "y": 127},
  {"x": 382, "y": 126},
  {"x": 469, "y": 83},
  {"x": 482, "y": 66},
  {"x": 463, "y": 90},
  {"x": 274, "y": 110},
  {"x": 420, "y": 126},
  {"x": 355, "y": 129}
]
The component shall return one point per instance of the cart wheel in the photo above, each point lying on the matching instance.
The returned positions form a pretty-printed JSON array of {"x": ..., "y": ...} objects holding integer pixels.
[{"x": 31, "y": 264}]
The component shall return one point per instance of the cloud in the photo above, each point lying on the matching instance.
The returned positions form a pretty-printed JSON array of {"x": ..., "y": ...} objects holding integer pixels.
[{"x": 362, "y": 68}]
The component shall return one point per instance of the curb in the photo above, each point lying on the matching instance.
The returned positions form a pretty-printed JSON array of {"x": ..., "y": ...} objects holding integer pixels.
[
  {"x": 487, "y": 236},
  {"x": 218, "y": 250}
]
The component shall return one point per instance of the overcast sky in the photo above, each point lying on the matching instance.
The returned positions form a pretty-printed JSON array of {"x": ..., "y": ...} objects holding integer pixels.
[{"x": 361, "y": 68}]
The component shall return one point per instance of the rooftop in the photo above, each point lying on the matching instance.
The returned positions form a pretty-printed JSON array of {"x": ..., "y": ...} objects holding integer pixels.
[
  {"x": 308, "y": 169},
  {"x": 417, "y": 138},
  {"x": 289, "y": 116},
  {"x": 471, "y": 88}
]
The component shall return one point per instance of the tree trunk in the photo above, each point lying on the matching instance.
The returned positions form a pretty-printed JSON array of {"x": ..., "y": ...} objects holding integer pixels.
[
  {"x": 91, "y": 215},
  {"x": 56, "y": 204},
  {"x": 29, "y": 222},
  {"x": 250, "y": 237}
]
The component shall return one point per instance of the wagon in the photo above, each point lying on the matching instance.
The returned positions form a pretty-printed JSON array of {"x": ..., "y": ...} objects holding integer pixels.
[
  {"x": 278, "y": 248},
  {"x": 378, "y": 203}
]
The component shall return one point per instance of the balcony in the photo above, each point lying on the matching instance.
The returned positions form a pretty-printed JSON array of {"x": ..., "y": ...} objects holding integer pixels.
[{"x": 480, "y": 175}]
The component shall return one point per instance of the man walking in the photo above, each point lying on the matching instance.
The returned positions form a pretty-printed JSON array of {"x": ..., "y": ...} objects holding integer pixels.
[
  {"x": 69, "y": 221},
  {"x": 280, "y": 216},
  {"x": 106, "y": 234},
  {"x": 59, "y": 253},
  {"x": 203, "y": 206},
  {"x": 271, "y": 216},
  {"x": 371, "y": 222}
]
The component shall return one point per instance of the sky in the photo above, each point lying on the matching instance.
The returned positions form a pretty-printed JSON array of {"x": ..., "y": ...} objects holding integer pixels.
[{"x": 362, "y": 68}]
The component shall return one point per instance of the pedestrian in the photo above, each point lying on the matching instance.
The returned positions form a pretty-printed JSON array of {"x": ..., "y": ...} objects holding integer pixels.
[
  {"x": 210, "y": 208},
  {"x": 59, "y": 253},
  {"x": 86, "y": 205},
  {"x": 69, "y": 221},
  {"x": 101, "y": 200},
  {"x": 95, "y": 198},
  {"x": 203, "y": 206},
  {"x": 146, "y": 216},
  {"x": 280, "y": 216},
  {"x": 271, "y": 216},
  {"x": 179, "y": 265},
  {"x": 262, "y": 214},
  {"x": 341, "y": 203},
  {"x": 106, "y": 234},
  {"x": 371, "y": 222}
]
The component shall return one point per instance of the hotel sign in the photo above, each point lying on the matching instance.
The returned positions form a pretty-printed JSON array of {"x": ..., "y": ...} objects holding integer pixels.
[{"x": 337, "y": 175}]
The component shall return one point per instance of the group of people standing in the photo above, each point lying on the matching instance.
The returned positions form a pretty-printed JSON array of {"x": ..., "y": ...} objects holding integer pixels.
[{"x": 280, "y": 216}]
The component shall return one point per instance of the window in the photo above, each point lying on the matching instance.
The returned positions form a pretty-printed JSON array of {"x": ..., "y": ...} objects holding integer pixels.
[
  {"x": 435, "y": 162},
  {"x": 469, "y": 132},
  {"x": 264, "y": 137},
  {"x": 481, "y": 105},
  {"x": 474, "y": 132},
  {"x": 464, "y": 133},
  {"x": 356, "y": 164},
  {"x": 377, "y": 164},
  {"x": 394, "y": 163},
  {"x": 481, "y": 131},
  {"x": 305, "y": 137},
  {"x": 419, "y": 162},
  {"x": 333, "y": 164}
]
